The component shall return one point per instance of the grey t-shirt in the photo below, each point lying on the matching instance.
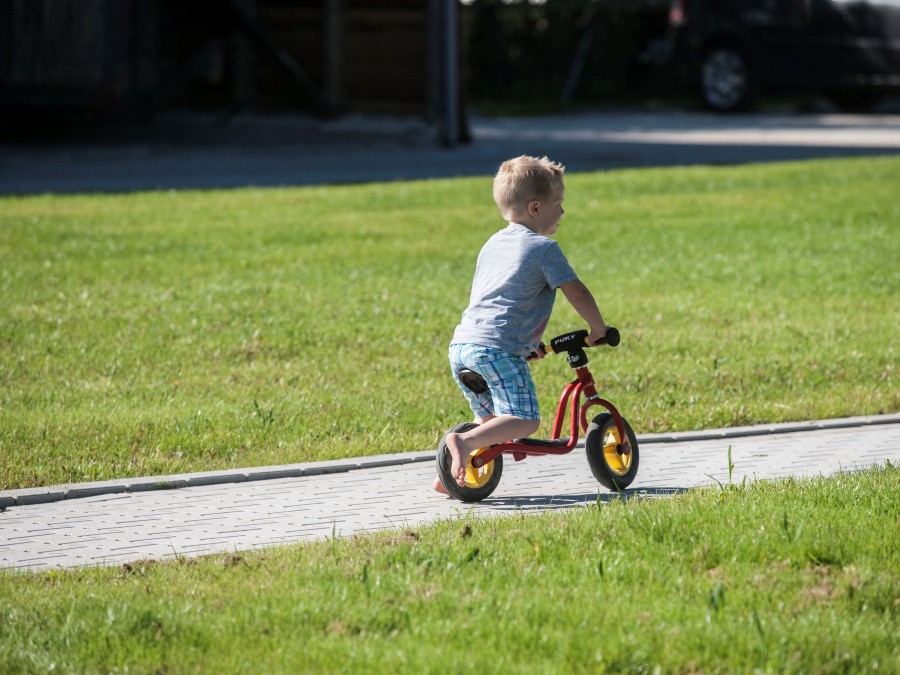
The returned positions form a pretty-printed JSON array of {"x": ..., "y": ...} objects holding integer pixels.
[{"x": 515, "y": 284}]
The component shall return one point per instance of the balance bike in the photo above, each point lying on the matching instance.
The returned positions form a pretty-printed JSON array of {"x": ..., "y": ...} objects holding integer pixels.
[{"x": 610, "y": 444}]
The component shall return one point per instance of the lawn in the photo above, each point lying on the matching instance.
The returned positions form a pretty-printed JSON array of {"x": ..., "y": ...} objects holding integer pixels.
[
  {"x": 798, "y": 576},
  {"x": 163, "y": 332}
]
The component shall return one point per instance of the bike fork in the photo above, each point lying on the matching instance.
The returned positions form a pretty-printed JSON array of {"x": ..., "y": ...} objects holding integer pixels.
[{"x": 625, "y": 445}]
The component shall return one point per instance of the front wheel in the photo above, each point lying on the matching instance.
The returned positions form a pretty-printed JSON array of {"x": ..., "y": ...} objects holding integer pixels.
[
  {"x": 726, "y": 80},
  {"x": 611, "y": 467},
  {"x": 480, "y": 483}
]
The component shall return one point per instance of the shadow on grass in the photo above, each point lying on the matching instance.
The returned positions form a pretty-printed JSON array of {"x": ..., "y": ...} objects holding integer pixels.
[{"x": 555, "y": 502}]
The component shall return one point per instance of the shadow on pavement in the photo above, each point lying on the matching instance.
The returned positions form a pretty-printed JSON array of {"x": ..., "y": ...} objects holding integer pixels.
[{"x": 553, "y": 502}]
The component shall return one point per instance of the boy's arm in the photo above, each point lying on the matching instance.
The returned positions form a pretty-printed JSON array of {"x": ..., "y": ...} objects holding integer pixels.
[{"x": 583, "y": 301}]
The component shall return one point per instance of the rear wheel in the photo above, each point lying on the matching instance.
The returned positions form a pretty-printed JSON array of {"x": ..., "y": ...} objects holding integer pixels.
[
  {"x": 726, "y": 80},
  {"x": 612, "y": 468},
  {"x": 480, "y": 483}
]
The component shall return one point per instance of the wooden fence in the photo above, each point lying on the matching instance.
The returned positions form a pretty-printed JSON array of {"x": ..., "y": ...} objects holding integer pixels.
[{"x": 141, "y": 56}]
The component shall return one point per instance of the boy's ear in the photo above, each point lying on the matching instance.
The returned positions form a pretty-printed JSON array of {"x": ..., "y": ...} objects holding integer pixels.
[{"x": 534, "y": 207}]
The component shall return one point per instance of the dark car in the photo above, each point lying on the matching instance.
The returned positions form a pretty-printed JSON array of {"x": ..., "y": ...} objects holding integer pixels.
[{"x": 735, "y": 49}]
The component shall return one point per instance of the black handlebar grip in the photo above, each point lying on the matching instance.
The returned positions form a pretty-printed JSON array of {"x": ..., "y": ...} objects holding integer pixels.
[
  {"x": 569, "y": 341},
  {"x": 578, "y": 339},
  {"x": 612, "y": 336}
]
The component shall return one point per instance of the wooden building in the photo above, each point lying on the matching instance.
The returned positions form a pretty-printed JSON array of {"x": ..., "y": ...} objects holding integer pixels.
[{"x": 326, "y": 57}]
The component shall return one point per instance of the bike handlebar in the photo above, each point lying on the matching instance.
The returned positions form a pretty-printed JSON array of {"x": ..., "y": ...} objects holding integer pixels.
[{"x": 578, "y": 339}]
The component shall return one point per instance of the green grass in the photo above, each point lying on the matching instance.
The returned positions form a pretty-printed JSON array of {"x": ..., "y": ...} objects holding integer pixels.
[
  {"x": 164, "y": 332},
  {"x": 781, "y": 577}
]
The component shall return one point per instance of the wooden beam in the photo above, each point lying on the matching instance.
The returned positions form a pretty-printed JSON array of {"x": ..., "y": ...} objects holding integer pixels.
[
  {"x": 264, "y": 40},
  {"x": 172, "y": 85}
]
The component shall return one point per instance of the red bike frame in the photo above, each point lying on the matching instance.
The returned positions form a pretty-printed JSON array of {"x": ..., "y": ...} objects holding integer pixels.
[{"x": 583, "y": 384}]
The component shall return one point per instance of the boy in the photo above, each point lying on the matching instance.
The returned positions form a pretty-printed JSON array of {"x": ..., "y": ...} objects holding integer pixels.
[{"x": 516, "y": 277}]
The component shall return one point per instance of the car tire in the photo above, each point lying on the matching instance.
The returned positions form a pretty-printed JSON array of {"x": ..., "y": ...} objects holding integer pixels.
[
  {"x": 726, "y": 79},
  {"x": 855, "y": 102}
]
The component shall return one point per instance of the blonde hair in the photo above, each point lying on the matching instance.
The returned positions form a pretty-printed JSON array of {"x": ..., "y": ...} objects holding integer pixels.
[{"x": 524, "y": 179}]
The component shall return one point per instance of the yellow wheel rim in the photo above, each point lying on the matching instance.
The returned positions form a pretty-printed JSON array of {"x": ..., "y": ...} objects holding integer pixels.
[
  {"x": 618, "y": 464},
  {"x": 477, "y": 477}
]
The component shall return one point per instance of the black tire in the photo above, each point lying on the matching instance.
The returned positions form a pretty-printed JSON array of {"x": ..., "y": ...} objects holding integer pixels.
[
  {"x": 610, "y": 467},
  {"x": 474, "y": 492},
  {"x": 726, "y": 79},
  {"x": 855, "y": 102}
]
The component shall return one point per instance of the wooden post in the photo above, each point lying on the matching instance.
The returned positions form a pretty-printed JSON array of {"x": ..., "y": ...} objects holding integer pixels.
[
  {"x": 333, "y": 48},
  {"x": 242, "y": 63}
]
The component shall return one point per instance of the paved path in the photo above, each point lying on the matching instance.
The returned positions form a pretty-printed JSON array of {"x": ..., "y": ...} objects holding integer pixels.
[
  {"x": 121, "y": 521},
  {"x": 232, "y": 152}
]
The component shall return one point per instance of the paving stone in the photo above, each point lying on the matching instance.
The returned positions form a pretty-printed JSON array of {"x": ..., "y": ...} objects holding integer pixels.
[{"x": 216, "y": 479}]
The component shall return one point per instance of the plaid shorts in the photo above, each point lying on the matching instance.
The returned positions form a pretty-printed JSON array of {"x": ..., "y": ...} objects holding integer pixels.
[{"x": 510, "y": 388}]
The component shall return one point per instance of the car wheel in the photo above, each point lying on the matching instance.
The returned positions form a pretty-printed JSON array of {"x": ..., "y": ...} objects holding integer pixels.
[{"x": 726, "y": 80}]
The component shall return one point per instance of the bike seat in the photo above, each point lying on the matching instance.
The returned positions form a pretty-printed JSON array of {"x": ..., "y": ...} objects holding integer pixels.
[{"x": 472, "y": 380}]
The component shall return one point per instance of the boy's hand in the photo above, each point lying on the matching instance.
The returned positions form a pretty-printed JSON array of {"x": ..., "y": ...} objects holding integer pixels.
[
  {"x": 537, "y": 354},
  {"x": 596, "y": 335}
]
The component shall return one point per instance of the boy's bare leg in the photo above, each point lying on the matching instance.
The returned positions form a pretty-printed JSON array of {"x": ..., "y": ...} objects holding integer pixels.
[{"x": 495, "y": 430}]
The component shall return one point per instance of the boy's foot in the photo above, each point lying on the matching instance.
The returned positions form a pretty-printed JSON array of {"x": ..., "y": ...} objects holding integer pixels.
[
  {"x": 439, "y": 486},
  {"x": 460, "y": 459}
]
